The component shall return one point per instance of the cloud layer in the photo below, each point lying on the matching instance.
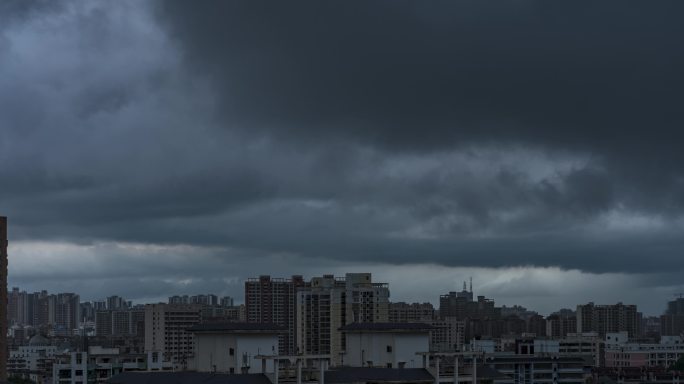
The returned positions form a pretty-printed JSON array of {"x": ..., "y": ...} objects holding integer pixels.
[{"x": 528, "y": 135}]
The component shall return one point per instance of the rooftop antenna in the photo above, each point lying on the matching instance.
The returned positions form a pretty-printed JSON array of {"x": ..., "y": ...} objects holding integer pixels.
[
  {"x": 471, "y": 284},
  {"x": 464, "y": 285}
]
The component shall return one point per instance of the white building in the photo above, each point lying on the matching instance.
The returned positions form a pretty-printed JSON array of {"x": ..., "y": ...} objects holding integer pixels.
[
  {"x": 484, "y": 346},
  {"x": 385, "y": 345},
  {"x": 32, "y": 361},
  {"x": 329, "y": 303},
  {"x": 100, "y": 364},
  {"x": 538, "y": 369},
  {"x": 620, "y": 352},
  {"x": 232, "y": 347},
  {"x": 166, "y": 331}
]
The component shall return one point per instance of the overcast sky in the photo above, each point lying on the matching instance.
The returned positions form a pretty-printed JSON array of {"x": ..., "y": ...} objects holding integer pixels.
[{"x": 150, "y": 149}]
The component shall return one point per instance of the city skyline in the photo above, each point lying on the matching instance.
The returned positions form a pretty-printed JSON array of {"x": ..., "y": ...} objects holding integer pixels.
[
  {"x": 156, "y": 148},
  {"x": 240, "y": 299}
]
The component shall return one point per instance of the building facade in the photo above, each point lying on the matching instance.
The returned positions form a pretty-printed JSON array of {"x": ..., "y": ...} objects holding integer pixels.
[
  {"x": 461, "y": 306},
  {"x": 447, "y": 335},
  {"x": 17, "y": 307},
  {"x": 329, "y": 303},
  {"x": 273, "y": 301},
  {"x": 521, "y": 368},
  {"x": 122, "y": 322},
  {"x": 604, "y": 319},
  {"x": 233, "y": 347},
  {"x": 3, "y": 298},
  {"x": 166, "y": 331},
  {"x": 99, "y": 364},
  {"x": 672, "y": 322},
  {"x": 66, "y": 312},
  {"x": 621, "y": 353},
  {"x": 32, "y": 361},
  {"x": 385, "y": 345},
  {"x": 401, "y": 312},
  {"x": 561, "y": 324}
]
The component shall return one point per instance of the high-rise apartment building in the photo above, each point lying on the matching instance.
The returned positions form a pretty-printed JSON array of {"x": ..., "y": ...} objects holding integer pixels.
[
  {"x": 65, "y": 313},
  {"x": 671, "y": 325},
  {"x": 329, "y": 303},
  {"x": 401, "y": 312},
  {"x": 226, "y": 301},
  {"x": 56, "y": 312},
  {"x": 461, "y": 306},
  {"x": 121, "y": 322},
  {"x": 3, "y": 298},
  {"x": 560, "y": 324},
  {"x": 117, "y": 302},
  {"x": 166, "y": 331},
  {"x": 448, "y": 335},
  {"x": 455, "y": 304},
  {"x": 536, "y": 325},
  {"x": 604, "y": 319},
  {"x": 39, "y": 304},
  {"x": 273, "y": 301},
  {"x": 676, "y": 307},
  {"x": 185, "y": 299},
  {"x": 17, "y": 307},
  {"x": 672, "y": 322},
  {"x": 87, "y": 312}
]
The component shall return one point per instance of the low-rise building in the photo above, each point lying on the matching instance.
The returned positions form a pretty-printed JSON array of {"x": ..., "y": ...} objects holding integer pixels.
[
  {"x": 232, "y": 347},
  {"x": 620, "y": 352},
  {"x": 588, "y": 345},
  {"x": 385, "y": 345},
  {"x": 32, "y": 361},
  {"x": 539, "y": 369},
  {"x": 99, "y": 364}
]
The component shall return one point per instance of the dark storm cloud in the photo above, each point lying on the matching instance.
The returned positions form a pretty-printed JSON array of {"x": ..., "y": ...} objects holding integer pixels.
[
  {"x": 603, "y": 78},
  {"x": 453, "y": 133},
  {"x": 20, "y": 10},
  {"x": 438, "y": 73}
]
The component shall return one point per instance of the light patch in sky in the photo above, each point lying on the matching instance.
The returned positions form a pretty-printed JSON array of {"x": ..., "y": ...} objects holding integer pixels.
[
  {"x": 146, "y": 273},
  {"x": 629, "y": 221}
]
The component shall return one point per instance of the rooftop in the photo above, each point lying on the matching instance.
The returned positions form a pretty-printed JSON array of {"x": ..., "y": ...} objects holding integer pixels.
[
  {"x": 378, "y": 375},
  {"x": 186, "y": 378},
  {"x": 237, "y": 327},
  {"x": 386, "y": 327}
]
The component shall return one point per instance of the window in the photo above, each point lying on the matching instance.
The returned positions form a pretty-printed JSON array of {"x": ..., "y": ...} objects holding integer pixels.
[
  {"x": 389, "y": 349},
  {"x": 231, "y": 352}
]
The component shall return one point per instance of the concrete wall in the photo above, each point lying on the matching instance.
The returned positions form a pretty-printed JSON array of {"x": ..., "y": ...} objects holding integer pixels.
[
  {"x": 383, "y": 348},
  {"x": 546, "y": 346},
  {"x": 406, "y": 346},
  {"x": 486, "y": 346},
  {"x": 213, "y": 352},
  {"x": 257, "y": 344}
]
